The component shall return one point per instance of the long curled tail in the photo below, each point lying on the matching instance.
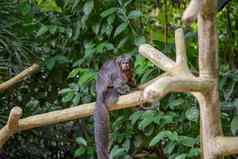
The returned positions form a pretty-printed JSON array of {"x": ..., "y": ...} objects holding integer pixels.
[{"x": 101, "y": 120}]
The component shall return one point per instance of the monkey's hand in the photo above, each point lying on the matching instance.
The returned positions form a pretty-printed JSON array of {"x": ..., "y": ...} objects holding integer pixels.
[{"x": 124, "y": 89}]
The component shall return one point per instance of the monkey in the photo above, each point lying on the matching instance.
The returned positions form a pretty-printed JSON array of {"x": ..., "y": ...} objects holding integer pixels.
[{"x": 114, "y": 79}]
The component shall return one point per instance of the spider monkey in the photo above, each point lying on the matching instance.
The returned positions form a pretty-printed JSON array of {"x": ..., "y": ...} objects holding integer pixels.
[{"x": 114, "y": 79}]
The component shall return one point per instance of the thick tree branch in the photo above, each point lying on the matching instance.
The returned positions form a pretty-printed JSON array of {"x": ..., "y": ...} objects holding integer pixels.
[
  {"x": 84, "y": 110},
  {"x": 165, "y": 85},
  {"x": 27, "y": 72},
  {"x": 226, "y": 145},
  {"x": 143, "y": 86},
  {"x": 157, "y": 57},
  {"x": 12, "y": 125},
  {"x": 191, "y": 12},
  {"x": 207, "y": 38}
]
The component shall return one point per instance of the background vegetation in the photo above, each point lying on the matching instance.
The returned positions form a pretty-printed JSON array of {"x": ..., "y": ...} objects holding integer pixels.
[{"x": 71, "y": 39}]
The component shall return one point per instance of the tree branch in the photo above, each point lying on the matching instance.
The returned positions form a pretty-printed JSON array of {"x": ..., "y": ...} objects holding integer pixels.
[
  {"x": 12, "y": 125},
  {"x": 207, "y": 38},
  {"x": 157, "y": 57},
  {"x": 84, "y": 110},
  {"x": 27, "y": 72},
  {"x": 181, "y": 57},
  {"x": 143, "y": 86},
  {"x": 226, "y": 145},
  {"x": 191, "y": 12},
  {"x": 165, "y": 85}
]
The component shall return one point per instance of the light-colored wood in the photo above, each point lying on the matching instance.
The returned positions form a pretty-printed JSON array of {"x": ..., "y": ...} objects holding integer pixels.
[
  {"x": 227, "y": 145},
  {"x": 141, "y": 87},
  {"x": 181, "y": 57},
  {"x": 210, "y": 125},
  {"x": 18, "y": 78},
  {"x": 12, "y": 125},
  {"x": 191, "y": 12},
  {"x": 163, "y": 86},
  {"x": 157, "y": 57},
  {"x": 14, "y": 117},
  {"x": 15, "y": 125},
  {"x": 131, "y": 100}
]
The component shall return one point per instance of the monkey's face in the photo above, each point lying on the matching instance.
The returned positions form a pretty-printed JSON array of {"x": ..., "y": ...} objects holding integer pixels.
[{"x": 125, "y": 63}]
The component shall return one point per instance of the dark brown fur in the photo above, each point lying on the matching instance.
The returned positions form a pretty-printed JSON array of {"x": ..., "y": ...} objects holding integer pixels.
[{"x": 112, "y": 81}]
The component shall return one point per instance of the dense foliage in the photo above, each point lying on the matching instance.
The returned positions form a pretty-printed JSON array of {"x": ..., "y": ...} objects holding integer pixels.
[{"x": 71, "y": 39}]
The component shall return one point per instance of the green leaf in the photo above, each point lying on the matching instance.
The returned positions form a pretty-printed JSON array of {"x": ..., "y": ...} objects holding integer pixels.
[
  {"x": 74, "y": 73},
  {"x": 68, "y": 97},
  {"x": 25, "y": 8},
  {"x": 182, "y": 156},
  {"x": 139, "y": 40},
  {"x": 66, "y": 90},
  {"x": 192, "y": 114},
  {"x": 52, "y": 29},
  {"x": 194, "y": 152},
  {"x": 42, "y": 30},
  {"x": 60, "y": 59},
  {"x": 76, "y": 99},
  {"x": 79, "y": 152},
  {"x": 187, "y": 141},
  {"x": 81, "y": 141},
  {"x": 50, "y": 63},
  {"x": 88, "y": 7},
  {"x": 108, "y": 12},
  {"x": 87, "y": 77},
  {"x": 118, "y": 152},
  {"x": 146, "y": 122},
  {"x": 122, "y": 27},
  {"x": 134, "y": 14},
  {"x": 172, "y": 136},
  {"x": 135, "y": 116},
  {"x": 234, "y": 125},
  {"x": 169, "y": 147},
  {"x": 48, "y": 5},
  {"x": 122, "y": 42}
]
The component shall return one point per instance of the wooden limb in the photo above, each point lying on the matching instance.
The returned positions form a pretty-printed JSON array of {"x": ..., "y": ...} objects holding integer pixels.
[
  {"x": 165, "y": 85},
  {"x": 210, "y": 121},
  {"x": 181, "y": 57},
  {"x": 191, "y": 12},
  {"x": 27, "y": 72},
  {"x": 226, "y": 145},
  {"x": 131, "y": 100},
  {"x": 157, "y": 57},
  {"x": 207, "y": 38},
  {"x": 12, "y": 125},
  {"x": 152, "y": 81}
]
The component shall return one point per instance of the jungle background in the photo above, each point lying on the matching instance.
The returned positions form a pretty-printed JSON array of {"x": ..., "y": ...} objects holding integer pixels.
[{"x": 71, "y": 39}]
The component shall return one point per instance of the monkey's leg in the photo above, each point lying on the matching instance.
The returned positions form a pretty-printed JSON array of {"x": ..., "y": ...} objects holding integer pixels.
[{"x": 101, "y": 118}]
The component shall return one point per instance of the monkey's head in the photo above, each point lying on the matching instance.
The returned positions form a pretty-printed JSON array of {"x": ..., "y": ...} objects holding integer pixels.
[{"x": 125, "y": 63}]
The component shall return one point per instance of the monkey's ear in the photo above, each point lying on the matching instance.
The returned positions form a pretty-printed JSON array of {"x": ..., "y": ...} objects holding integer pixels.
[{"x": 119, "y": 59}]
